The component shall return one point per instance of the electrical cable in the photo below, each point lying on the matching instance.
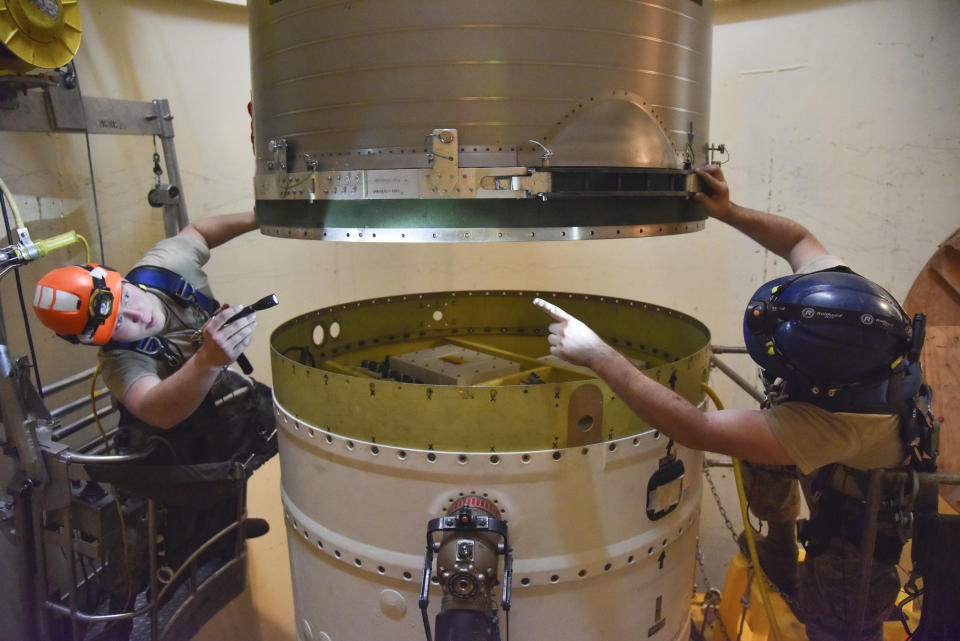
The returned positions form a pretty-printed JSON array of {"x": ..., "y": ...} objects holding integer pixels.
[
  {"x": 4, "y": 197},
  {"x": 86, "y": 246},
  {"x": 748, "y": 529},
  {"x": 126, "y": 552},
  {"x": 904, "y": 619},
  {"x": 116, "y": 501},
  {"x": 93, "y": 180},
  {"x": 287, "y": 188},
  {"x": 96, "y": 413},
  {"x": 17, "y": 218},
  {"x": 96, "y": 206}
]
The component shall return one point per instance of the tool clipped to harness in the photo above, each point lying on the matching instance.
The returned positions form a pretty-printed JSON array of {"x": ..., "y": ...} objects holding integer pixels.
[{"x": 264, "y": 303}]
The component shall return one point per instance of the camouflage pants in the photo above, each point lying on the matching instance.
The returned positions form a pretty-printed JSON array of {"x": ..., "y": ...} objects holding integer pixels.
[
  {"x": 773, "y": 492},
  {"x": 829, "y": 585},
  {"x": 828, "y": 582}
]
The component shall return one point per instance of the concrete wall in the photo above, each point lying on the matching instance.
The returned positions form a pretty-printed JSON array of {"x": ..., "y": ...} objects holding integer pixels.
[{"x": 842, "y": 115}]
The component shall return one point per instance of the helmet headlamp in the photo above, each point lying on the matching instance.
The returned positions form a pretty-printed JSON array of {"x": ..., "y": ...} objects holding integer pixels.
[{"x": 101, "y": 304}]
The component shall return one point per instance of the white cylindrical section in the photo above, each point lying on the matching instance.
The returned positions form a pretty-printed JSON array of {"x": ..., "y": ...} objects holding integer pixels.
[{"x": 588, "y": 561}]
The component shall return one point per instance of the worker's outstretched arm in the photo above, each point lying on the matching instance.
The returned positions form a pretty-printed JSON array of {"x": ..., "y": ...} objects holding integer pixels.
[
  {"x": 741, "y": 433},
  {"x": 165, "y": 403},
  {"x": 217, "y": 230},
  {"x": 784, "y": 237}
]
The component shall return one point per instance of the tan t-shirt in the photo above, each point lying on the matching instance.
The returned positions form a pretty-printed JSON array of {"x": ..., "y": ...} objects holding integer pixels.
[
  {"x": 184, "y": 255},
  {"x": 826, "y": 261},
  {"x": 814, "y": 437}
]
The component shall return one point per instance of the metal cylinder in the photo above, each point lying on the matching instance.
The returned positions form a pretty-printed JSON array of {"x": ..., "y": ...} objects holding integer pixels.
[
  {"x": 602, "y": 509},
  {"x": 454, "y": 120}
]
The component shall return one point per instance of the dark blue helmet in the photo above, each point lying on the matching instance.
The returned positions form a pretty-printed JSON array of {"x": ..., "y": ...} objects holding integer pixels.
[{"x": 830, "y": 328}]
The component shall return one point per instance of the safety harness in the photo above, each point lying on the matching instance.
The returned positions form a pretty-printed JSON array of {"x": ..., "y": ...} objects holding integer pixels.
[
  {"x": 180, "y": 290},
  {"x": 837, "y": 513},
  {"x": 902, "y": 392}
]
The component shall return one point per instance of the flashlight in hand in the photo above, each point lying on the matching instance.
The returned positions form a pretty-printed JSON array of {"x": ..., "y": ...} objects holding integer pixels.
[{"x": 264, "y": 303}]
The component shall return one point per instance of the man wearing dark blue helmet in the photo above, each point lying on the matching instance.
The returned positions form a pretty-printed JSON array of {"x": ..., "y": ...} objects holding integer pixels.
[{"x": 838, "y": 359}]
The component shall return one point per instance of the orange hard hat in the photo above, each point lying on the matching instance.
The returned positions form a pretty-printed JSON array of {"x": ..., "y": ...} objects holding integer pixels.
[{"x": 80, "y": 303}]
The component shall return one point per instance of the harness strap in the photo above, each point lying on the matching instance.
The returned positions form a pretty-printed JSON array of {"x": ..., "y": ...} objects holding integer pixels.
[
  {"x": 172, "y": 284},
  {"x": 178, "y": 288},
  {"x": 835, "y": 514},
  {"x": 920, "y": 431}
]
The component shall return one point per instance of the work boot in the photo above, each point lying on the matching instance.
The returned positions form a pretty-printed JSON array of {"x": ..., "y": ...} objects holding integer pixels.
[
  {"x": 777, "y": 552},
  {"x": 253, "y": 528}
]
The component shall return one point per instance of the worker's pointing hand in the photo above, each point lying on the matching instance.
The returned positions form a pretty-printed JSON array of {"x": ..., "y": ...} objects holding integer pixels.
[
  {"x": 222, "y": 343},
  {"x": 570, "y": 339}
]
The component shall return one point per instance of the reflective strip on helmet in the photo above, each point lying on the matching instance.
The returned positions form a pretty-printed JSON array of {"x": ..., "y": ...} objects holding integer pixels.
[
  {"x": 55, "y": 299},
  {"x": 38, "y": 297}
]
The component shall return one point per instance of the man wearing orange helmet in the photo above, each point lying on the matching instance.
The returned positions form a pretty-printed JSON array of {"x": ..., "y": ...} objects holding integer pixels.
[
  {"x": 165, "y": 347},
  {"x": 163, "y": 354}
]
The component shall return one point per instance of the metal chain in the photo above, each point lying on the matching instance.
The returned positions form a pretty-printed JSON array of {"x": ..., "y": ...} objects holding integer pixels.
[
  {"x": 790, "y": 601},
  {"x": 710, "y": 589},
  {"x": 703, "y": 568},
  {"x": 723, "y": 512},
  {"x": 733, "y": 534},
  {"x": 745, "y": 600}
]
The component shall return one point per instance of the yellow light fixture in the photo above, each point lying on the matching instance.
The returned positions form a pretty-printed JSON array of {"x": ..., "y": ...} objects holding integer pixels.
[{"x": 38, "y": 33}]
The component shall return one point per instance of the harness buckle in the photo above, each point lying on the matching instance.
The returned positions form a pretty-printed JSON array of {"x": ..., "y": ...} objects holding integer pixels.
[
  {"x": 150, "y": 346},
  {"x": 903, "y": 515},
  {"x": 185, "y": 291},
  {"x": 155, "y": 346}
]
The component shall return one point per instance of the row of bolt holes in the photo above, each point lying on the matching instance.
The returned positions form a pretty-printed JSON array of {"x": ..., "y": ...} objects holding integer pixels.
[
  {"x": 370, "y": 152},
  {"x": 357, "y": 562},
  {"x": 466, "y": 234},
  {"x": 463, "y": 459},
  {"x": 291, "y": 232},
  {"x": 525, "y": 581}
]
